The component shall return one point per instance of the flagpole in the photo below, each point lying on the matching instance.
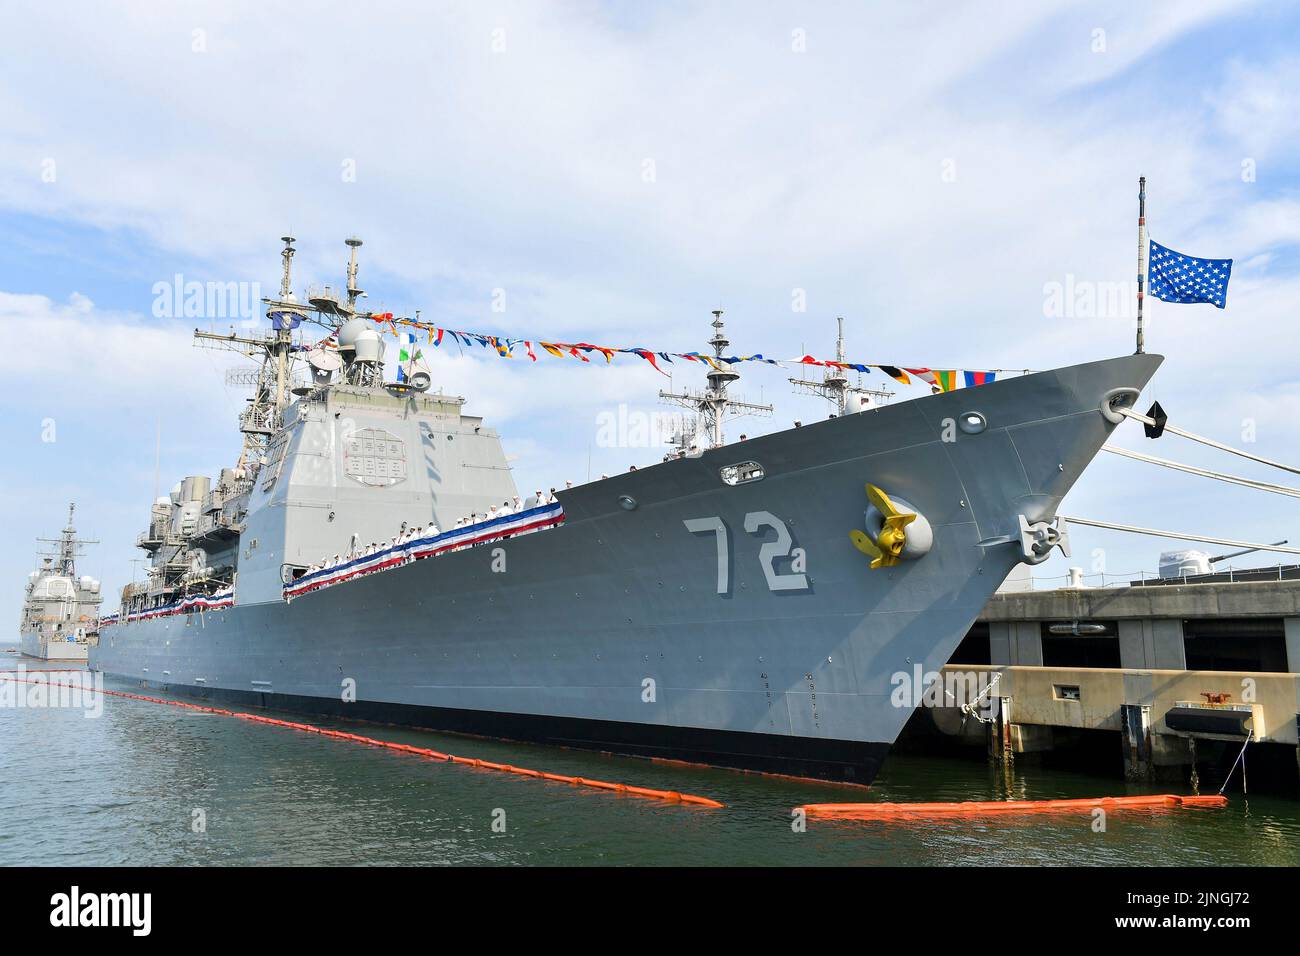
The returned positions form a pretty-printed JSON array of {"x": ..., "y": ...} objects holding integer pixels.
[{"x": 1142, "y": 252}]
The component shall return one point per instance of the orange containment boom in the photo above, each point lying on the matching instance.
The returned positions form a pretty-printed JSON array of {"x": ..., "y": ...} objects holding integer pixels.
[
  {"x": 895, "y": 811},
  {"x": 623, "y": 788}
]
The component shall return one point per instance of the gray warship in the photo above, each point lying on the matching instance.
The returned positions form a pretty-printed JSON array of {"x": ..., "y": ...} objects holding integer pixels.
[
  {"x": 60, "y": 613},
  {"x": 745, "y": 604}
]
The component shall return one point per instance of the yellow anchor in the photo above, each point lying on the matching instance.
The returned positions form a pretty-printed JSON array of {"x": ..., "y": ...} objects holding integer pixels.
[{"x": 887, "y": 548}]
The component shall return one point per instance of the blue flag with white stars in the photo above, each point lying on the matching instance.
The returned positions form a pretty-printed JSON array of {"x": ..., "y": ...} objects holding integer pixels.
[{"x": 1174, "y": 277}]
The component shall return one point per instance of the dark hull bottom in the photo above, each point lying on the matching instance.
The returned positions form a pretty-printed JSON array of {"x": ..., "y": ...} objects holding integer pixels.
[{"x": 842, "y": 761}]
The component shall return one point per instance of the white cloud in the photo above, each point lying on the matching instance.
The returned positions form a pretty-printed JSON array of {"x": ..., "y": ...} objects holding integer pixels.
[{"x": 91, "y": 355}]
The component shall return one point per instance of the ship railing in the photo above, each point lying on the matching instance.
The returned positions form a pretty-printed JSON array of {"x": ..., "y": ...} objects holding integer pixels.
[
  {"x": 1110, "y": 579},
  {"x": 209, "y": 523},
  {"x": 158, "y": 535},
  {"x": 1090, "y": 581},
  {"x": 256, "y": 419},
  {"x": 219, "y": 497}
]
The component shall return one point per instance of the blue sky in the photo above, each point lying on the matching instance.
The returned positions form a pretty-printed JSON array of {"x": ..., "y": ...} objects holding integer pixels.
[{"x": 924, "y": 170}]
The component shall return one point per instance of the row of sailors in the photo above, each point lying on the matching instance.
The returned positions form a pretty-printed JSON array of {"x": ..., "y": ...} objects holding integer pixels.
[{"x": 415, "y": 531}]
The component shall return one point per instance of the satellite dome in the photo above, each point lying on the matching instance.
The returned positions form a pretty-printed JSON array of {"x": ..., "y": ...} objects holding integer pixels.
[
  {"x": 859, "y": 403},
  {"x": 369, "y": 346},
  {"x": 350, "y": 330}
]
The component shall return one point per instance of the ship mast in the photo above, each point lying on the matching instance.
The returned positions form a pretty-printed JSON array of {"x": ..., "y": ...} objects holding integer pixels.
[
  {"x": 834, "y": 386},
  {"x": 282, "y": 354},
  {"x": 713, "y": 404},
  {"x": 354, "y": 291},
  {"x": 273, "y": 380},
  {"x": 67, "y": 547}
]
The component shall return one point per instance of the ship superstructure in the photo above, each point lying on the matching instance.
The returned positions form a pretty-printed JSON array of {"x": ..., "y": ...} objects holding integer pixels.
[
  {"x": 750, "y": 604},
  {"x": 60, "y": 608}
]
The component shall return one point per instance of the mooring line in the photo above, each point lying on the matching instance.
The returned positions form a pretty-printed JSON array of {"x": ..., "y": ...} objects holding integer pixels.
[
  {"x": 1147, "y": 420},
  {"x": 1241, "y": 759},
  {"x": 672, "y": 796},
  {"x": 1179, "y": 536},
  {"x": 1204, "y": 472}
]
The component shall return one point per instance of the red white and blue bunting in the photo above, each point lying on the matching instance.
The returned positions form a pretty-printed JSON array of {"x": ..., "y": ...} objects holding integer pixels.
[
  {"x": 188, "y": 605},
  {"x": 494, "y": 529}
]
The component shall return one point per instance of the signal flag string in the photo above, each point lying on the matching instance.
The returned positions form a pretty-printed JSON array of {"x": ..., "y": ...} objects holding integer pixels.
[{"x": 943, "y": 380}]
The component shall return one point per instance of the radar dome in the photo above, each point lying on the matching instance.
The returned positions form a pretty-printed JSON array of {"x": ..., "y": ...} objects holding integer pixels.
[
  {"x": 350, "y": 330},
  {"x": 858, "y": 403},
  {"x": 369, "y": 346}
]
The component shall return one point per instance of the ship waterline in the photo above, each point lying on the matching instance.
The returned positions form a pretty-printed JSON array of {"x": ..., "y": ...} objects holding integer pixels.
[{"x": 672, "y": 614}]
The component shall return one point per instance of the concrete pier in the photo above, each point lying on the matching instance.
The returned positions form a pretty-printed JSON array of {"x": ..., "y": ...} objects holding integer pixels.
[{"x": 1162, "y": 667}]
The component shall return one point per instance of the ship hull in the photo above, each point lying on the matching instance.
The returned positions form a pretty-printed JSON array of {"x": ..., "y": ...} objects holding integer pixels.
[
  {"x": 51, "y": 649},
  {"x": 625, "y": 630}
]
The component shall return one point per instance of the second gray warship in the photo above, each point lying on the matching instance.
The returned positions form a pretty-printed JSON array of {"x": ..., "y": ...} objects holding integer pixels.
[
  {"x": 749, "y": 604},
  {"x": 60, "y": 608}
]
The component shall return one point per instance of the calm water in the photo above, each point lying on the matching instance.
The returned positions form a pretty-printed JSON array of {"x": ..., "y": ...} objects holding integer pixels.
[{"x": 123, "y": 788}]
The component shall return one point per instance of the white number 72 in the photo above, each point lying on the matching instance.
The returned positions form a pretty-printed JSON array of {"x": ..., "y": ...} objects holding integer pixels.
[{"x": 767, "y": 554}]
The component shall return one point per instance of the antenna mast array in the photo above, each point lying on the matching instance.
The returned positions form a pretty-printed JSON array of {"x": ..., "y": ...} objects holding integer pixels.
[
  {"x": 835, "y": 387},
  {"x": 713, "y": 405},
  {"x": 67, "y": 547},
  {"x": 272, "y": 381}
]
